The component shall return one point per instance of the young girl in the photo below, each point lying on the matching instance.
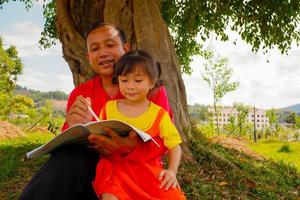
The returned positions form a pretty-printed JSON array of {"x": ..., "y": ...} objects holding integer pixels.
[{"x": 140, "y": 175}]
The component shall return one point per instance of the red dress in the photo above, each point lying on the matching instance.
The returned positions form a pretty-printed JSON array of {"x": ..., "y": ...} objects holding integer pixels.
[{"x": 135, "y": 177}]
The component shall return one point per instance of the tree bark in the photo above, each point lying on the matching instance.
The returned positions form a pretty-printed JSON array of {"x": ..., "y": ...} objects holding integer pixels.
[{"x": 142, "y": 22}]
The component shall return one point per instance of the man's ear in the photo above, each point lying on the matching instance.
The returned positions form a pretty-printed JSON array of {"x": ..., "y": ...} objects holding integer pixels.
[{"x": 126, "y": 47}]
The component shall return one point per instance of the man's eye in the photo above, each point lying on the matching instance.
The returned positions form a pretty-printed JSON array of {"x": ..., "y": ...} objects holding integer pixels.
[
  {"x": 94, "y": 49},
  {"x": 110, "y": 45}
]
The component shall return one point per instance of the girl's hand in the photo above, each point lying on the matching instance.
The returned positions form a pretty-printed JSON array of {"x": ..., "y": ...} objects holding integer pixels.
[{"x": 168, "y": 179}]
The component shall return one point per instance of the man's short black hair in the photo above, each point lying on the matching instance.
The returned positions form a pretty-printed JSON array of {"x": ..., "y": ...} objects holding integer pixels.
[{"x": 94, "y": 26}]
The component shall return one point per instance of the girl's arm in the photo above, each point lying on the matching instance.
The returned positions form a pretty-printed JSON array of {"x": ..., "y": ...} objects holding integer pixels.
[
  {"x": 168, "y": 176},
  {"x": 174, "y": 156}
]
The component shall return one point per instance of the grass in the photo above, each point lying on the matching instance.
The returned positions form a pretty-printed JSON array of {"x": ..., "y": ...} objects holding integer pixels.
[
  {"x": 221, "y": 173},
  {"x": 213, "y": 172},
  {"x": 288, "y": 152},
  {"x": 16, "y": 171}
]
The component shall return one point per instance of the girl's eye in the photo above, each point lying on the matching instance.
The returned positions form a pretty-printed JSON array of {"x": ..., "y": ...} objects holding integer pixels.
[
  {"x": 123, "y": 80},
  {"x": 110, "y": 45},
  {"x": 138, "y": 81}
]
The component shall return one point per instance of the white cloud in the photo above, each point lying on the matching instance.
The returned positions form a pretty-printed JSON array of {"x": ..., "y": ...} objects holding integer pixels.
[
  {"x": 45, "y": 82},
  {"x": 264, "y": 84},
  {"x": 25, "y": 35}
]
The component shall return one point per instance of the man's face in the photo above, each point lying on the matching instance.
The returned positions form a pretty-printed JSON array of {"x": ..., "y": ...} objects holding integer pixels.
[{"x": 105, "y": 49}]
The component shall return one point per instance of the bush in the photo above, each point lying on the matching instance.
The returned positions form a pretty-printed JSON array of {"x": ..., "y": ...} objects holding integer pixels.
[{"x": 285, "y": 149}]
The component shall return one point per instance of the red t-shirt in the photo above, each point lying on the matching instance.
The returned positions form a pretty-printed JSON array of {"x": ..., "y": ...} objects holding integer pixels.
[{"x": 93, "y": 89}]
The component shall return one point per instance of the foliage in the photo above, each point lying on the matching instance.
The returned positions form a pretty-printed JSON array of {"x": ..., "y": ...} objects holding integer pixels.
[
  {"x": 28, "y": 3},
  {"x": 18, "y": 105},
  {"x": 285, "y": 149},
  {"x": 231, "y": 126},
  {"x": 291, "y": 118},
  {"x": 243, "y": 111},
  {"x": 208, "y": 130},
  {"x": 49, "y": 34},
  {"x": 55, "y": 123},
  {"x": 262, "y": 24},
  {"x": 217, "y": 74},
  {"x": 39, "y": 96},
  {"x": 273, "y": 118},
  {"x": 297, "y": 121},
  {"x": 198, "y": 112},
  {"x": 10, "y": 67}
]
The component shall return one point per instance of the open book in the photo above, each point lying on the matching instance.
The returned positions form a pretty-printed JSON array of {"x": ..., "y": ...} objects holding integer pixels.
[{"x": 79, "y": 134}]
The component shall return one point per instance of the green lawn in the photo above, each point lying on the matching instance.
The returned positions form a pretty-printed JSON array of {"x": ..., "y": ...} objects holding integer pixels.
[
  {"x": 214, "y": 172},
  {"x": 16, "y": 171},
  {"x": 271, "y": 149}
]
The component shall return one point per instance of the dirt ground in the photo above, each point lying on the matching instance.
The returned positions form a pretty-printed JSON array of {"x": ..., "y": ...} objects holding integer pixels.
[
  {"x": 8, "y": 130},
  {"x": 237, "y": 143}
]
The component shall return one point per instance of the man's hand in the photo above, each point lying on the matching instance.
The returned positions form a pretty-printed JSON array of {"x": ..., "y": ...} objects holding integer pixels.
[
  {"x": 168, "y": 179},
  {"x": 114, "y": 143},
  {"x": 79, "y": 113}
]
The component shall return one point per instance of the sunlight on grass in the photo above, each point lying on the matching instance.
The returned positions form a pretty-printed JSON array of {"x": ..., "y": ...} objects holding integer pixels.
[
  {"x": 289, "y": 152},
  {"x": 15, "y": 170}
]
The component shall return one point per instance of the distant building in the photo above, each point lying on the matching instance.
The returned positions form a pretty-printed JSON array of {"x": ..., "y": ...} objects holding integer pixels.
[{"x": 260, "y": 119}]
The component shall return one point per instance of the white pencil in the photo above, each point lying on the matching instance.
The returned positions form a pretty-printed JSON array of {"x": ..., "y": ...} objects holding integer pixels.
[{"x": 92, "y": 112}]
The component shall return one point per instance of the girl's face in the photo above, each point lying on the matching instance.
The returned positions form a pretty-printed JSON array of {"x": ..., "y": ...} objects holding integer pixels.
[{"x": 135, "y": 86}]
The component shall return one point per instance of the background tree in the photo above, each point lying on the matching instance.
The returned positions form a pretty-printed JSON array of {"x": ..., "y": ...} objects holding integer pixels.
[
  {"x": 231, "y": 126},
  {"x": 198, "y": 112},
  {"x": 243, "y": 111},
  {"x": 10, "y": 67},
  {"x": 273, "y": 118},
  {"x": 297, "y": 121},
  {"x": 217, "y": 74},
  {"x": 262, "y": 24},
  {"x": 291, "y": 118},
  {"x": 19, "y": 104}
]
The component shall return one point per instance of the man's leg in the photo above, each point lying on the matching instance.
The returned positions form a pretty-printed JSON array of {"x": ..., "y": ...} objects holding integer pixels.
[{"x": 66, "y": 175}]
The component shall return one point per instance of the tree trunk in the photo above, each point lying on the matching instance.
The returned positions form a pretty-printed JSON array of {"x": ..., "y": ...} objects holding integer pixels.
[{"x": 144, "y": 27}]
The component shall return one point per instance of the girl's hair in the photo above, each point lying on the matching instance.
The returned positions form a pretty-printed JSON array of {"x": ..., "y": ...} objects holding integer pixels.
[{"x": 139, "y": 58}]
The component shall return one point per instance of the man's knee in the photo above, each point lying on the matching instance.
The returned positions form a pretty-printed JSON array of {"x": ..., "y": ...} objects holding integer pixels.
[{"x": 74, "y": 159}]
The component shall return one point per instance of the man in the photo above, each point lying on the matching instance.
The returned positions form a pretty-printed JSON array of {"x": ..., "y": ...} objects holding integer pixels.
[{"x": 70, "y": 170}]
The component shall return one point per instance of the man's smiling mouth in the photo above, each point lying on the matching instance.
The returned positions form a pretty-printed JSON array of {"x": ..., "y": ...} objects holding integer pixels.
[{"x": 106, "y": 62}]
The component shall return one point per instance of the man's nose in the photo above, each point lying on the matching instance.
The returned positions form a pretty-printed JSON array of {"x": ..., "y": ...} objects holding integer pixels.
[{"x": 102, "y": 53}]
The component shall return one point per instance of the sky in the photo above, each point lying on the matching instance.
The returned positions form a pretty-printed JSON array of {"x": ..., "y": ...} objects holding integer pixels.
[{"x": 263, "y": 84}]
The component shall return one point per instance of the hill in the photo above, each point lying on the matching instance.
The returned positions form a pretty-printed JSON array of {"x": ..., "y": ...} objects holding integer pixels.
[
  {"x": 292, "y": 108},
  {"x": 38, "y": 96},
  {"x": 57, "y": 98}
]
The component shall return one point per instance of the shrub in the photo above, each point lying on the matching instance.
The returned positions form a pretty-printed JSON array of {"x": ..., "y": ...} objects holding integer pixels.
[{"x": 285, "y": 149}]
